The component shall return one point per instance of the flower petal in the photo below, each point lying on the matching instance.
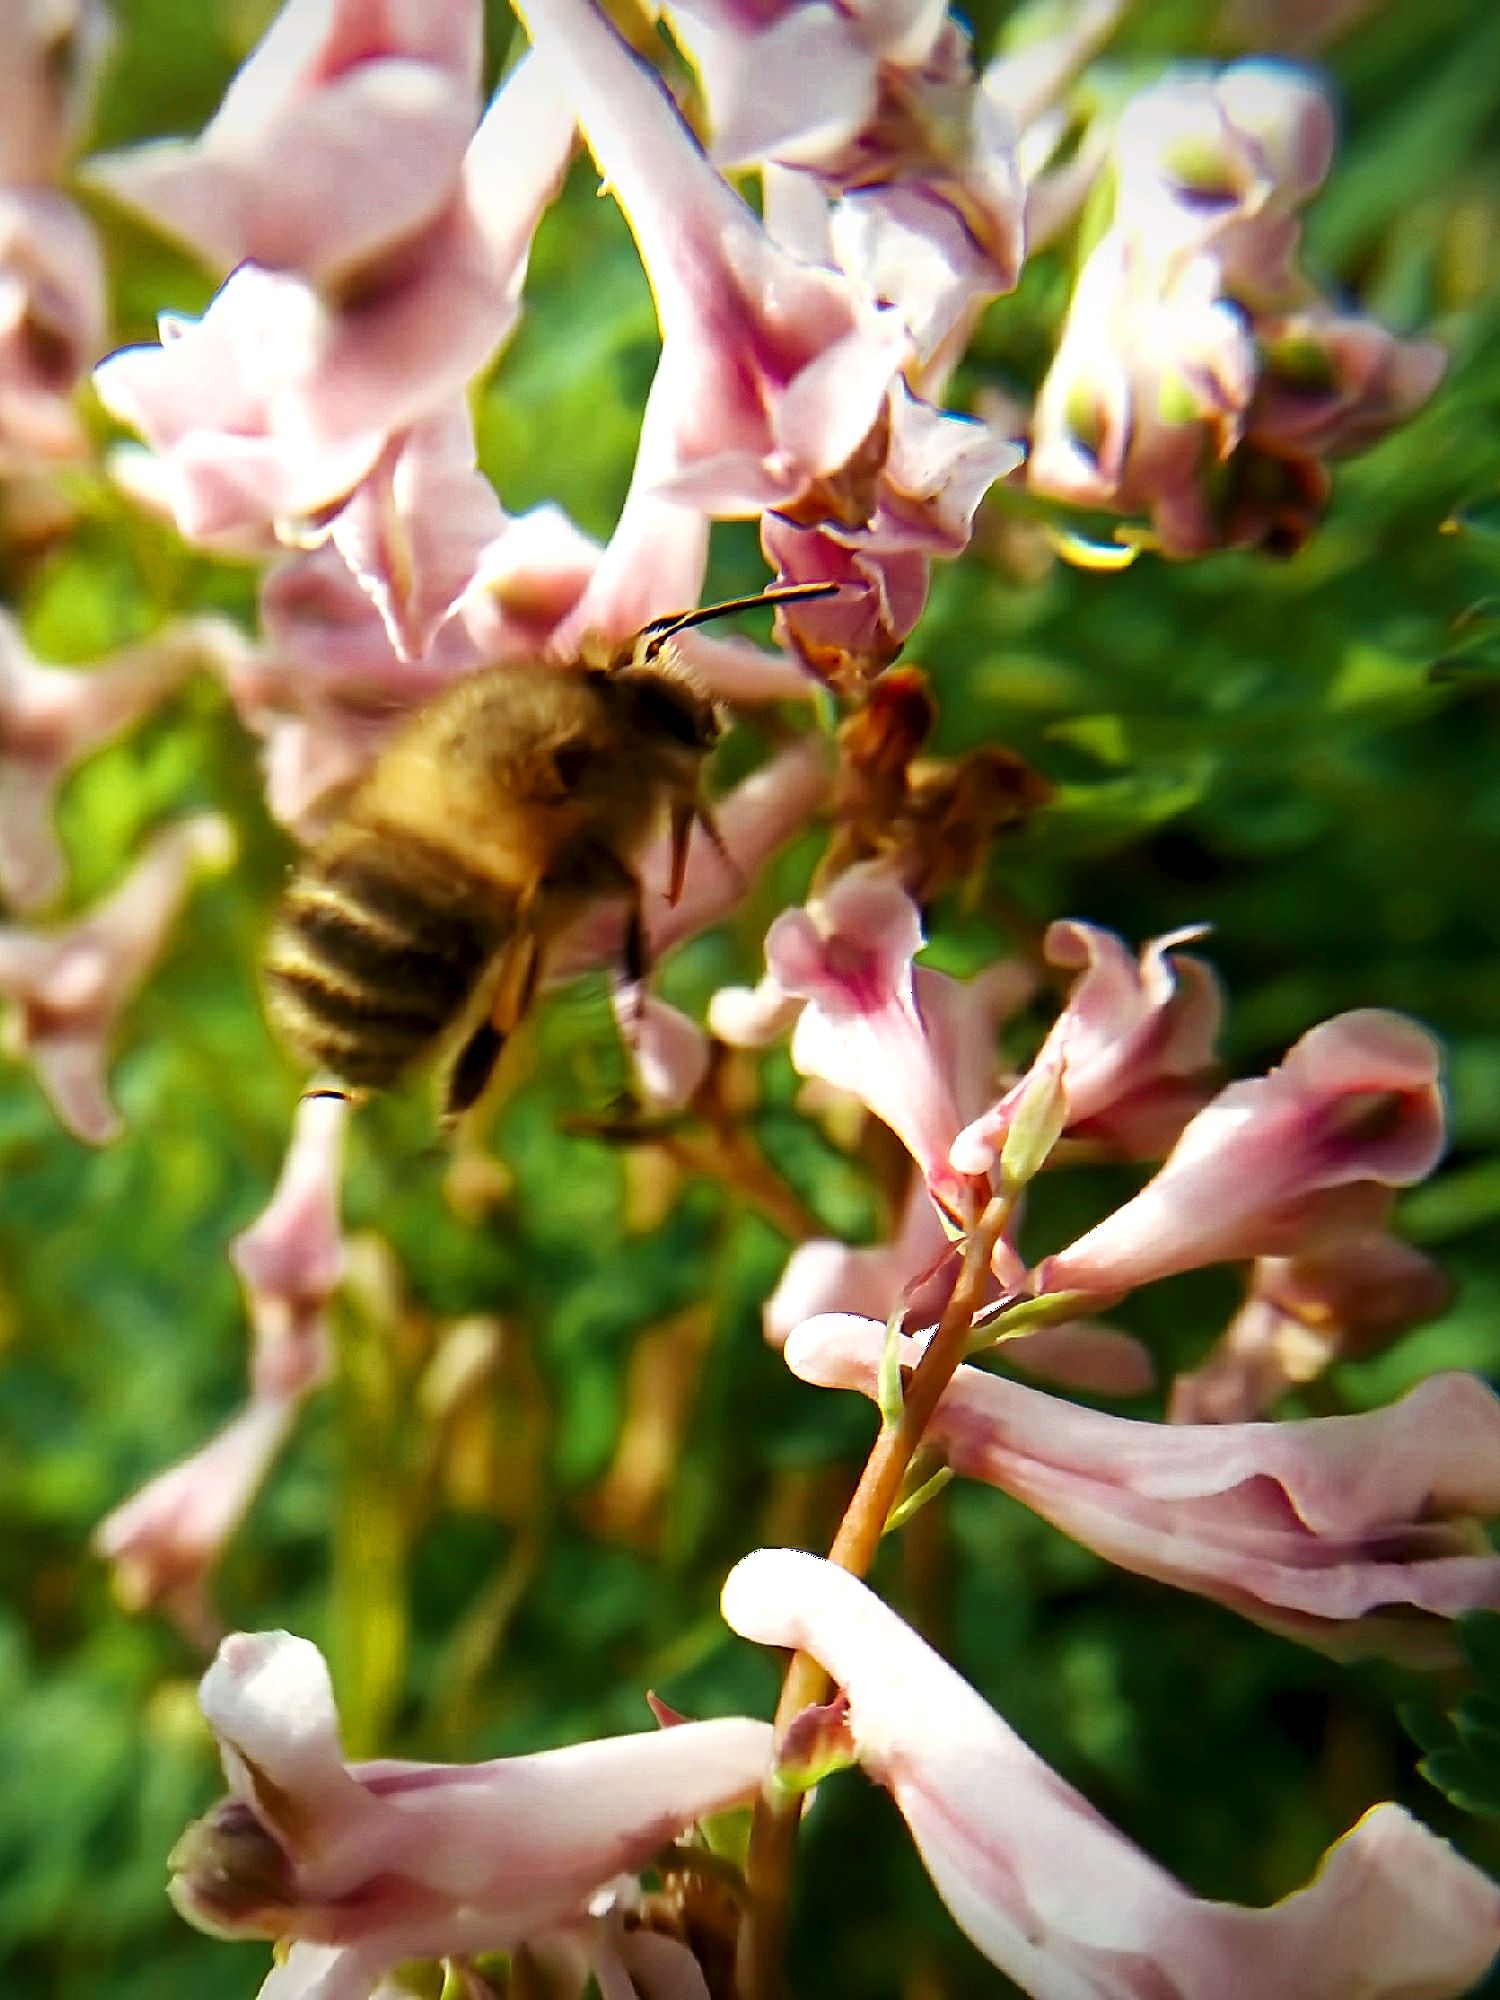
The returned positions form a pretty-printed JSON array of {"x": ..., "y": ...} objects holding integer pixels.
[
  {"x": 1058, "y": 1899},
  {"x": 1315, "y": 1529},
  {"x": 1270, "y": 1164}
]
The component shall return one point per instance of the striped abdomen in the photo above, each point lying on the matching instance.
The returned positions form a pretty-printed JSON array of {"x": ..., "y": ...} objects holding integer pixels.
[{"x": 376, "y": 950}]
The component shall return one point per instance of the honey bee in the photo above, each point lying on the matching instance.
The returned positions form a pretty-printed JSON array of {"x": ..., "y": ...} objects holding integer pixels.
[{"x": 419, "y": 923}]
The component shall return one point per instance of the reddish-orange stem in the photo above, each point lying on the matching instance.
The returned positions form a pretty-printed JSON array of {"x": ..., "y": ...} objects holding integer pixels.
[{"x": 773, "y": 1836}]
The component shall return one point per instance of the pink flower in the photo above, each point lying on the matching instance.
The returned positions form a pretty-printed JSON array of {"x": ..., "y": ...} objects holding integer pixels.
[
  {"x": 1055, "y": 1896},
  {"x": 773, "y": 373},
  {"x": 52, "y": 324},
  {"x": 778, "y": 389},
  {"x": 670, "y": 1052},
  {"x": 1133, "y": 1049},
  {"x": 418, "y": 528},
  {"x": 1353, "y": 1534},
  {"x": 1222, "y": 163},
  {"x": 1278, "y": 1164},
  {"x": 342, "y": 135},
  {"x": 794, "y": 81},
  {"x": 291, "y": 1258},
  {"x": 1334, "y": 383},
  {"x": 52, "y": 58},
  {"x": 884, "y": 594},
  {"x": 69, "y": 986},
  {"x": 165, "y": 1540},
  {"x": 1302, "y": 1314},
  {"x": 356, "y": 1867},
  {"x": 1147, "y": 392},
  {"x": 915, "y": 500},
  {"x": 914, "y": 1273},
  {"x": 1200, "y": 380},
  {"x": 910, "y": 1270},
  {"x": 883, "y": 113},
  {"x": 848, "y": 956},
  {"x": 275, "y": 404},
  {"x": 52, "y": 718}
]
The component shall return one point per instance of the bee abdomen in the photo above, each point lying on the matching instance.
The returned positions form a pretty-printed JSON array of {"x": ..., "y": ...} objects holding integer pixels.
[{"x": 374, "y": 953}]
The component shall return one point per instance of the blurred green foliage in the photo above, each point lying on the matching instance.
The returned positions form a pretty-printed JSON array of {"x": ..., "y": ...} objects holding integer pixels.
[{"x": 1266, "y": 747}]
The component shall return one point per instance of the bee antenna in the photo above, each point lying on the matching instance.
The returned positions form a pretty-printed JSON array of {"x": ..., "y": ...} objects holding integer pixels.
[{"x": 661, "y": 629}]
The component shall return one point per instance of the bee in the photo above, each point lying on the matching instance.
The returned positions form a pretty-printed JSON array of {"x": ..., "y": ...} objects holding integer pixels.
[{"x": 419, "y": 923}]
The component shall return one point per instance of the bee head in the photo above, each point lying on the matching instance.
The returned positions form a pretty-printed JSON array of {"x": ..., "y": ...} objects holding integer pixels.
[{"x": 665, "y": 707}]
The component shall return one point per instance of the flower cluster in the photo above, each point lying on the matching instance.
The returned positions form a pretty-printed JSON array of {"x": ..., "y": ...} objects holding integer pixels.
[{"x": 1201, "y": 380}]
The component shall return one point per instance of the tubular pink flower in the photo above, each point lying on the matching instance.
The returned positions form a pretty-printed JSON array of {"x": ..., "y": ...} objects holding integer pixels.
[
  {"x": 1353, "y": 1534},
  {"x": 1200, "y": 380},
  {"x": 849, "y": 956},
  {"x": 1333, "y": 383},
  {"x": 291, "y": 1258},
  {"x": 1148, "y": 390},
  {"x": 795, "y": 82},
  {"x": 359, "y": 1866},
  {"x": 914, "y": 1272},
  {"x": 1278, "y": 1164},
  {"x": 69, "y": 986},
  {"x": 420, "y": 528},
  {"x": 1054, "y": 1895},
  {"x": 884, "y": 116},
  {"x": 164, "y": 1541},
  {"x": 53, "y": 54},
  {"x": 1301, "y": 1315},
  {"x": 1222, "y": 163},
  {"x": 773, "y": 373},
  {"x": 910, "y": 1269},
  {"x": 275, "y": 404},
  {"x": 883, "y": 595},
  {"x": 52, "y": 324},
  {"x": 669, "y": 1051},
  {"x": 1133, "y": 1048},
  {"x": 934, "y": 470},
  {"x": 342, "y": 135},
  {"x": 52, "y": 718},
  {"x": 914, "y": 1046}
]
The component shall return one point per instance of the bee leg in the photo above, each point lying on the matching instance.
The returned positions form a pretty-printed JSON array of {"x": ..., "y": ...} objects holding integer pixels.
[
  {"x": 684, "y": 813},
  {"x": 515, "y": 989},
  {"x": 472, "y": 1069},
  {"x": 635, "y": 946}
]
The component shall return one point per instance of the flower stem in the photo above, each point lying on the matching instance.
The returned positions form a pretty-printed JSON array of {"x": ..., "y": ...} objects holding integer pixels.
[{"x": 773, "y": 1835}]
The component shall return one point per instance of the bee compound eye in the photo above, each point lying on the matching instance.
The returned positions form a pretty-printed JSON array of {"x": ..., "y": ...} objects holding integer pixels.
[{"x": 666, "y": 708}]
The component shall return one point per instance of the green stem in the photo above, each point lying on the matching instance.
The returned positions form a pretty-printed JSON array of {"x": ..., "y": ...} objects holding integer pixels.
[{"x": 773, "y": 1834}]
